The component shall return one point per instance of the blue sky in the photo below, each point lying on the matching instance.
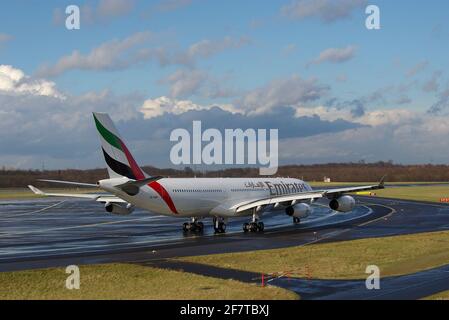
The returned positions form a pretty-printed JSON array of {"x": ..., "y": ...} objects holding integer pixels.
[{"x": 249, "y": 58}]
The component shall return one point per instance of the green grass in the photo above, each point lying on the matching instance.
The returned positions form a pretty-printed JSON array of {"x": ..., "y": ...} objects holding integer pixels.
[
  {"x": 439, "y": 296},
  {"x": 11, "y": 194},
  {"x": 342, "y": 260},
  {"x": 425, "y": 193},
  {"x": 126, "y": 281}
]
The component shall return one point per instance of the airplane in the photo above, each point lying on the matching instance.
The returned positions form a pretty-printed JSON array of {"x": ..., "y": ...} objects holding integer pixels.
[{"x": 128, "y": 187}]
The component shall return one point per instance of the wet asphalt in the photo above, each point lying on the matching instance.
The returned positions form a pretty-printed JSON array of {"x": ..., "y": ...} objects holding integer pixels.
[{"x": 56, "y": 233}]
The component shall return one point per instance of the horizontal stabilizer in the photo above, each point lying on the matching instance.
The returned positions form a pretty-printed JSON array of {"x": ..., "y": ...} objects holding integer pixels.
[
  {"x": 132, "y": 187},
  {"x": 81, "y": 184},
  {"x": 36, "y": 190},
  {"x": 382, "y": 182},
  {"x": 70, "y": 195},
  {"x": 100, "y": 197}
]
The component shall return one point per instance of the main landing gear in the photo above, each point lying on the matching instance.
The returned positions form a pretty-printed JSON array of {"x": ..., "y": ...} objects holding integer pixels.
[
  {"x": 296, "y": 220},
  {"x": 254, "y": 226},
  {"x": 193, "y": 226},
  {"x": 219, "y": 225}
]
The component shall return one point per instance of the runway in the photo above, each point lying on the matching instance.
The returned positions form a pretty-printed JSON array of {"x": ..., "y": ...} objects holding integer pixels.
[
  {"x": 54, "y": 228},
  {"x": 56, "y": 233}
]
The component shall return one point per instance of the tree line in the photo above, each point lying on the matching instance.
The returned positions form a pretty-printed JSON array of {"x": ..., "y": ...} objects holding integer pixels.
[{"x": 337, "y": 172}]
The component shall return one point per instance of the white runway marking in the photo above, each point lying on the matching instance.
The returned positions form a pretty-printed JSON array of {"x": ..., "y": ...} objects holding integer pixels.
[
  {"x": 339, "y": 232},
  {"x": 34, "y": 211},
  {"x": 78, "y": 226}
]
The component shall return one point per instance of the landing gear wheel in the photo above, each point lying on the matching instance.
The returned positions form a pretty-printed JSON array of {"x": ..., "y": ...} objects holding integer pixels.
[
  {"x": 220, "y": 228},
  {"x": 296, "y": 220},
  {"x": 253, "y": 227},
  {"x": 219, "y": 225},
  {"x": 195, "y": 227}
]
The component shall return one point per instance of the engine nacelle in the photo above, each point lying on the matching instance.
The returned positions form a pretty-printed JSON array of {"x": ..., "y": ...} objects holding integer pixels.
[
  {"x": 118, "y": 209},
  {"x": 299, "y": 210},
  {"x": 342, "y": 204}
]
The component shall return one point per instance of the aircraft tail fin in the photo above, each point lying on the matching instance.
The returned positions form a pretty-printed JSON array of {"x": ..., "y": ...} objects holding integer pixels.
[{"x": 119, "y": 160}]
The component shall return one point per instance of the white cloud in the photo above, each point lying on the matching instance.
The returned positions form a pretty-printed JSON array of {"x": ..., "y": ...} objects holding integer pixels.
[
  {"x": 171, "y": 5},
  {"x": 403, "y": 99},
  {"x": 206, "y": 48},
  {"x": 442, "y": 102},
  {"x": 14, "y": 81},
  {"x": 4, "y": 37},
  {"x": 397, "y": 134},
  {"x": 417, "y": 69},
  {"x": 121, "y": 54},
  {"x": 104, "y": 11},
  {"x": 278, "y": 93},
  {"x": 341, "y": 78},
  {"x": 281, "y": 93},
  {"x": 432, "y": 85},
  {"x": 156, "y": 107},
  {"x": 114, "y": 8},
  {"x": 37, "y": 125},
  {"x": 112, "y": 55},
  {"x": 326, "y": 10},
  {"x": 336, "y": 55},
  {"x": 185, "y": 82},
  {"x": 289, "y": 49},
  {"x": 203, "y": 49},
  {"x": 371, "y": 118}
]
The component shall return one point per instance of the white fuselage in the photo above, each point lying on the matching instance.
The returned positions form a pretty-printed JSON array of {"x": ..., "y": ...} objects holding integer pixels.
[{"x": 201, "y": 197}]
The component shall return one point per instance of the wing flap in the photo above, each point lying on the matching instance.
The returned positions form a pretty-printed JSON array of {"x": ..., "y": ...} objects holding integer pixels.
[{"x": 284, "y": 198}]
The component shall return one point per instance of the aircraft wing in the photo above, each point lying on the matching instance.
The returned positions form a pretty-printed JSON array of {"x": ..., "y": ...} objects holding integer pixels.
[
  {"x": 315, "y": 194},
  {"x": 338, "y": 191},
  {"x": 100, "y": 197}
]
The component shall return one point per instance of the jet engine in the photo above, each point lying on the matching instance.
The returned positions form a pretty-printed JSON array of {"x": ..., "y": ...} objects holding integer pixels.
[
  {"x": 299, "y": 210},
  {"x": 342, "y": 204},
  {"x": 118, "y": 209}
]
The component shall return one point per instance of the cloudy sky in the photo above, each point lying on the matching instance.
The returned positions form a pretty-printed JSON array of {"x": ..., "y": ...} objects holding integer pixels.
[{"x": 335, "y": 90}]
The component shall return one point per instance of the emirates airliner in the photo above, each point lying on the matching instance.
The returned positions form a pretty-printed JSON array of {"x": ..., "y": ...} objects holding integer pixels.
[{"x": 198, "y": 198}]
